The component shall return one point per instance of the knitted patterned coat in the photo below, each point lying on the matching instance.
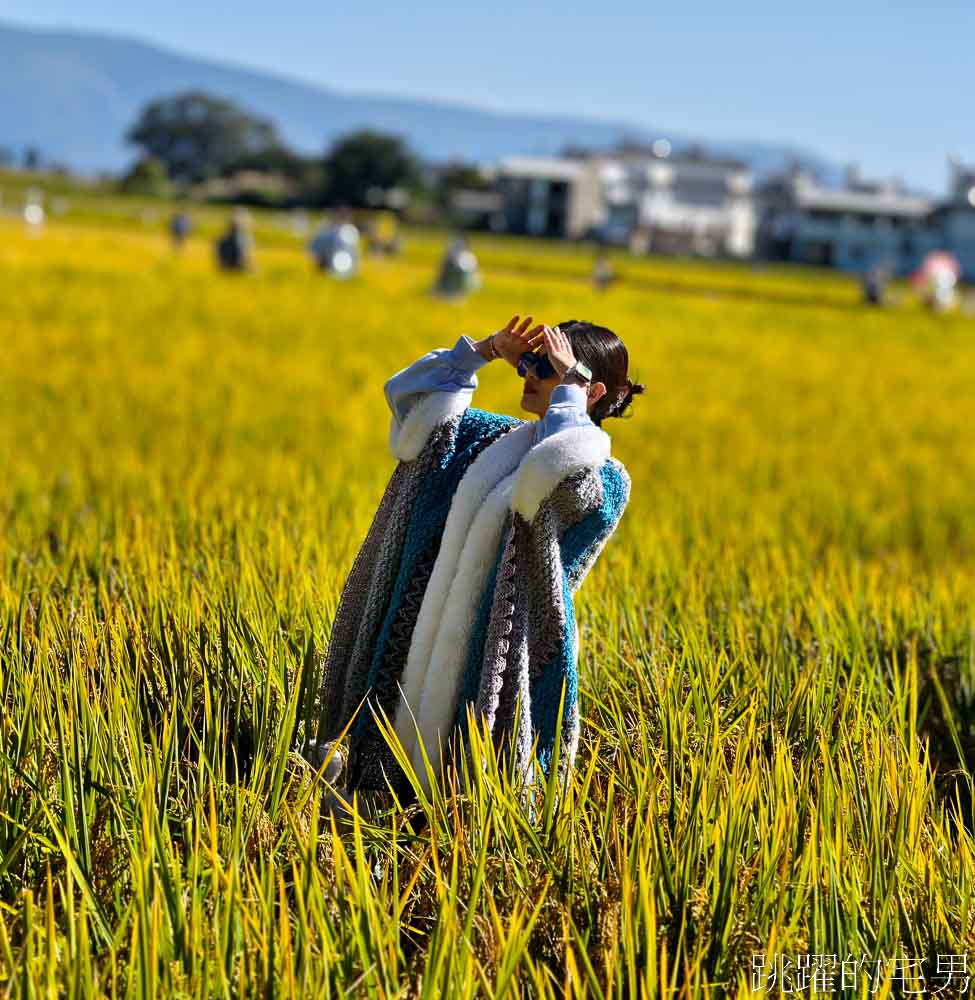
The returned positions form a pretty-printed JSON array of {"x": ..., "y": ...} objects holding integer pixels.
[{"x": 461, "y": 593}]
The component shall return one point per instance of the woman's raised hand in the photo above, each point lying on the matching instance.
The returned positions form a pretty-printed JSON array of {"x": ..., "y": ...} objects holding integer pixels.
[
  {"x": 558, "y": 347},
  {"x": 518, "y": 336}
]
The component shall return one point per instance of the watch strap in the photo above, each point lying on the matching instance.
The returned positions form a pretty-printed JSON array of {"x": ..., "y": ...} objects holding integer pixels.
[{"x": 580, "y": 371}]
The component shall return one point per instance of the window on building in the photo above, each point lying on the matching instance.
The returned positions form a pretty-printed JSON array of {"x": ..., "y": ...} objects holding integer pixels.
[
  {"x": 692, "y": 192},
  {"x": 818, "y": 253}
]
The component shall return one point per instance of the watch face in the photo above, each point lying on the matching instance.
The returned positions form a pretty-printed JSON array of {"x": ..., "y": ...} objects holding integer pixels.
[{"x": 583, "y": 370}]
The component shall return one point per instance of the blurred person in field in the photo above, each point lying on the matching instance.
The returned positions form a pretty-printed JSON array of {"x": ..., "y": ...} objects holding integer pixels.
[
  {"x": 458, "y": 608},
  {"x": 34, "y": 214},
  {"x": 382, "y": 234},
  {"x": 235, "y": 247},
  {"x": 459, "y": 272},
  {"x": 180, "y": 227},
  {"x": 603, "y": 273},
  {"x": 335, "y": 247},
  {"x": 936, "y": 280},
  {"x": 874, "y": 284}
]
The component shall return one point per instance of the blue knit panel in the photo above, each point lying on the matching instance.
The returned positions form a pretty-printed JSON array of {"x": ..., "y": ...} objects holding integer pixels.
[
  {"x": 582, "y": 537},
  {"x": 546, "y": 688},
  {"x": 475, "y": 431}
]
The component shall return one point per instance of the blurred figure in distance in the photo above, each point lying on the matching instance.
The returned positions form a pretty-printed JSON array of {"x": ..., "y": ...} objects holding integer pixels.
[
  {"x": 180, "y": 227},
  {"x": 603, "y": 273},
  {"x": 234, "y": 248},
  {"x": 335, "y": 247},
  {"x": 459, "y": 273}
]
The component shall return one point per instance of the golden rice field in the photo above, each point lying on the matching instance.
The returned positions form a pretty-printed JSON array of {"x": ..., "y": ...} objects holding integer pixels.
[{"x": 777, "y": 666}]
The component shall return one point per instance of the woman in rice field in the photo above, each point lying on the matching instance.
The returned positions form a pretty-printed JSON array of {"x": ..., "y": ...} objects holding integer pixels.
[{"x": 459, "y": 603}]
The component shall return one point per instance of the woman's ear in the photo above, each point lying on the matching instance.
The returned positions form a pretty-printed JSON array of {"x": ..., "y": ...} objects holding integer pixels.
[{"x": 596, "y": 392}]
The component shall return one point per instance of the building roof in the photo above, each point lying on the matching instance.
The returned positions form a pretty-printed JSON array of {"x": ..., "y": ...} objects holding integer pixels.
[
  {"x": 542, "y": 167},
  {"x": 863, "y": 202},
  {"x": 944, "y": 208},
  {"x": 691, "y": 155}
]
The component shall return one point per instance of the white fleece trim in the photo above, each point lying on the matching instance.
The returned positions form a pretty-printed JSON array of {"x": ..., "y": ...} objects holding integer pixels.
[
  {"x": 445, "y": 672},
  {"x": 554, "y": 458},
  {"x": 500, "y": 459},
  {"x": 406, "y": 440}
]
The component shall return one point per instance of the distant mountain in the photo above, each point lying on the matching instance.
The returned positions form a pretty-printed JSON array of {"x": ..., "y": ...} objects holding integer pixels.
[{"x": 73, "y": 94}]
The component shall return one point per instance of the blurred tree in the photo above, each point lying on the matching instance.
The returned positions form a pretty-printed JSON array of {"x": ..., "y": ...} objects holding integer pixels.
[
  {"x": 196, "y": 135},
  {"x": 451, "y": 180},
  {"x": 147, "y": 176},
  {"x": 363, "y": 160},
  {"x": 458, "y": 176},
  {"x": 274, "y": 159},
  {"x": 32, "y": 158}
]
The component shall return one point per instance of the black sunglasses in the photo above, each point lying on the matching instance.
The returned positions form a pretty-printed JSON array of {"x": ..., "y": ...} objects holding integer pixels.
[{"x": 539, "y": 364}]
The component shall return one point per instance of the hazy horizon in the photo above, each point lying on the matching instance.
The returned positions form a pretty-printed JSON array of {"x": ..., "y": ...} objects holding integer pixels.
[{"x": 889, "y": 91}]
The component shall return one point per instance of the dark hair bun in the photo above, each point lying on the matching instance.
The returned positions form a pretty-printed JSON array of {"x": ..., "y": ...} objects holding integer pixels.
[{"x": 630, "y": 390}]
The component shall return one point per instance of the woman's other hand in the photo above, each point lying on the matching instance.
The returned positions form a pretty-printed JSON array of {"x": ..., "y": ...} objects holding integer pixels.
[
  {"x": 513, "y": 340},
  {"x": 558, "y": 347}
]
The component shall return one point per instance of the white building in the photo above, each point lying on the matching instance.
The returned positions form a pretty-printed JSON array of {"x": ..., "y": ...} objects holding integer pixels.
[
  {"x": 853, "y": 228},
  {"x": 692, "y": 203},
  {"x": 689, "y": 203},
  {"x": 683, "y": 204},
  {"x": 866, "y": 223},
  {"x": 546, "y": 196}
]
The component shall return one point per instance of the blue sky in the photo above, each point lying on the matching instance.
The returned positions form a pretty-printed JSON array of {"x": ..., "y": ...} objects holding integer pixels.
[{"x": 889, "y": 85}]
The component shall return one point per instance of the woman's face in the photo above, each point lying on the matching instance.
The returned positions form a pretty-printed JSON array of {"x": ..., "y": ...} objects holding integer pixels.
[{"x": 537, "y": 392}]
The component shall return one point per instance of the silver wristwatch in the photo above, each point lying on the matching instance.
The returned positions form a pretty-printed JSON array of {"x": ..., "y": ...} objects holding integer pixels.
[{"x": 580, "y": 371}]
